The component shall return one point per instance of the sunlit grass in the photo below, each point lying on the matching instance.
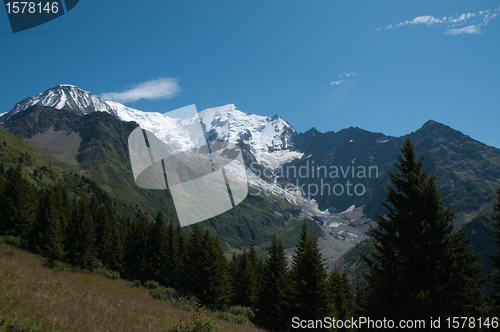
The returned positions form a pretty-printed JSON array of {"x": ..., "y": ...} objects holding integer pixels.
[{"x": 34, "y": 297}]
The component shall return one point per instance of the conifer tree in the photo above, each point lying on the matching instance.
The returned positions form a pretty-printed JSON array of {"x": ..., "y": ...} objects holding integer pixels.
[
  {"x": 47, "y": 236},
  {"x": 116, "y": 262},
  {"x": 158, "y": 250},
  {"x": 81, "y": 240},
  {"x": 308, "y": 296},
  {"x": 245, "y": 281},
  {"x": 494, "y": 278},
  {"x": 419, "y": 268},
  {"x": 341, "y": 296},
  {"x": 182, "y": 249},
  {"x": 173, "y": 263},
  {"x": 19, "y": 206},
  {"x": 206, "y": 268},
  {"x": 137, "y": 248},
  {"x": 273, "y": 296}
]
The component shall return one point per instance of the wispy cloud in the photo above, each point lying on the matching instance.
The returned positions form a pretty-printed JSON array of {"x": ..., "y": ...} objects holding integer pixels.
[
  {"x": 346, "y": 74},
  {"x": 161, "y": 88},
  {"x": 468, "y": 23},
  {"x": 337, "y": 82},
  {"x": 343, "y": 78}
]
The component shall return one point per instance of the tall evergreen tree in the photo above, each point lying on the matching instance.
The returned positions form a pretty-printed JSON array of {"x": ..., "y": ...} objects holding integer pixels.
[
  {"x": 137, "y": 248},
  {"x": 340, "y": 294},
  {"x": 494, "y": 281},
  {"x": 419, "y": 268},
  {"x": 206, "y": 268},
  {"x": 309, "y": 296},
  {"x": 173, "y": 263},
  {"x": 18, "y": 206},
  {"x": 47, "y": 236},
  {"x": 245, "y": 281},
  {"x": 273, "y": 296},
  {"x": 158, "y": 250},
  {"x": 116, "y": 260},
  {"x": 81, "y": 240}
]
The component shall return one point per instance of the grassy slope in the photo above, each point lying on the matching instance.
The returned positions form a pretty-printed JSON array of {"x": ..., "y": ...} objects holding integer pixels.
[{"x": 40, "y": 299}]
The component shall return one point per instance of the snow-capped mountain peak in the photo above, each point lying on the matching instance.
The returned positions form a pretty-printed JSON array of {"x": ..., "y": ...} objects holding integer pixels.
[
  {"x": 268, "y": 137},
  {"x": 65, "y": 96}
]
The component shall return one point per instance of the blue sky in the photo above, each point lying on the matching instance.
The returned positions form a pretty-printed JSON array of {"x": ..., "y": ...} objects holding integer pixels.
[{"x": 384, "y": 66}]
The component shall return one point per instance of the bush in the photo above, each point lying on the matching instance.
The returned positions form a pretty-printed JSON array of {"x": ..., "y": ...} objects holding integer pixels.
[
  {"x": 237, "y": 314},
  {"x": 164, "y": 293},
  {"x": 12, "y": 240},
  {"x": 200, "y": 322},
  {"x": 115, "y": 275},
  {"x": 151, "y": 284},
  {"x": 135, "y": 283}
]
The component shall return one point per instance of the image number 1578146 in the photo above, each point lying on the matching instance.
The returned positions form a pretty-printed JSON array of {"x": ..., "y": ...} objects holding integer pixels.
[
  {"x": 25, "y": 7},
  {"x": 25, "y": 15}
]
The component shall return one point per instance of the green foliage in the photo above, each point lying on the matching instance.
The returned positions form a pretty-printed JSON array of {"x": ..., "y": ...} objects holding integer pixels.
[
  {"x": 164, "y": 294},
  {"x": 18, "y": 205},
  {"x": 48, "y": 233},
  {"x": 81, "y": 240},
  {"x": 309, "y": 294},
  {"x": 136, "y": 265},
  {"x": 158, "y": 249},
  {"x": 200, "y": 322},
  {"x": 245, "y": 280},
  {"x": 12, "y": 240},
  {"x": 494, "y": 277},
  {"x": 341, "y": 296},
  {"x": 418, "y": 268},
  {"x": 273, "y": 302},
  {"x": 151, "y": 284},
  {"x": 206, "y": 268},
  {"x": 135, "y": 283},
  {"x": 237, "y": 314}
]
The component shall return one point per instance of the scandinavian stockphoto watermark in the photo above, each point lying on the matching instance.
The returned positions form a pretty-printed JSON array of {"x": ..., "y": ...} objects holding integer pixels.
[
  {"x": 204, "y": 179},
  {"x": 313, "y": 180}
]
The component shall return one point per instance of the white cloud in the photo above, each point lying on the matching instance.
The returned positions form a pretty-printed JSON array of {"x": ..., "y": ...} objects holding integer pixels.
[
  {"x": 471, "y": 29},
  {"x": 346, "y": 74},
  {"x": 161, "y": 88},
  {"x": 336, "y": 82},
  {"x": 467, "y": 21}
]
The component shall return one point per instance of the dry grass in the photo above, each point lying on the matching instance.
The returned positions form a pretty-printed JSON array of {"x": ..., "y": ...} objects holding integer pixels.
[{"x": 40, "y": 299}]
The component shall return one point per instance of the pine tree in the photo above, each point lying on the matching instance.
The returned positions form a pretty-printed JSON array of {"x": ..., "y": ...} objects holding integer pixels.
[
  {"x": 419, "y": 268},
  {"x": 173, "y": 263},
  {"x": 245, "y": 281},
  {"x": 116, "y": 261},
  {"x": 273, "y": 296},
  {"x": 137, "y": 248},
  {"x": 18, "y": 206},
  {"x": 47, "y": 237},
  {"x": 308, "y": 296},
  {"x": 158, "y": 250},
  {"x": 81, "y": 239},
  {"x": 340, "y": 294},
  {"x": 494, "y": 278},
  {"x": 206, "y": 268}
]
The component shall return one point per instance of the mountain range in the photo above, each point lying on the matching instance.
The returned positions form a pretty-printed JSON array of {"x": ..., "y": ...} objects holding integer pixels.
[{"x": 334, "y": 178}]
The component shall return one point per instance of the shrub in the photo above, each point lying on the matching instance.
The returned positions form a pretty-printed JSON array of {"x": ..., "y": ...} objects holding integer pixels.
[
  {"x": 237, "y": 314},
  {"x": 135, "y": 283},
  {"x": 12, "y": 240},
  {"x": 115, "y": 275},
  {"x": 151, "y": 284},
  {"x": 200, "y": 322},
  {"x": 164, "y": 293}
]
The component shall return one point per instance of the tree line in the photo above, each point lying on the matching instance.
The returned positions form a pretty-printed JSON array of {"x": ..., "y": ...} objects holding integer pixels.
[{"x": 419, "y": 268}]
